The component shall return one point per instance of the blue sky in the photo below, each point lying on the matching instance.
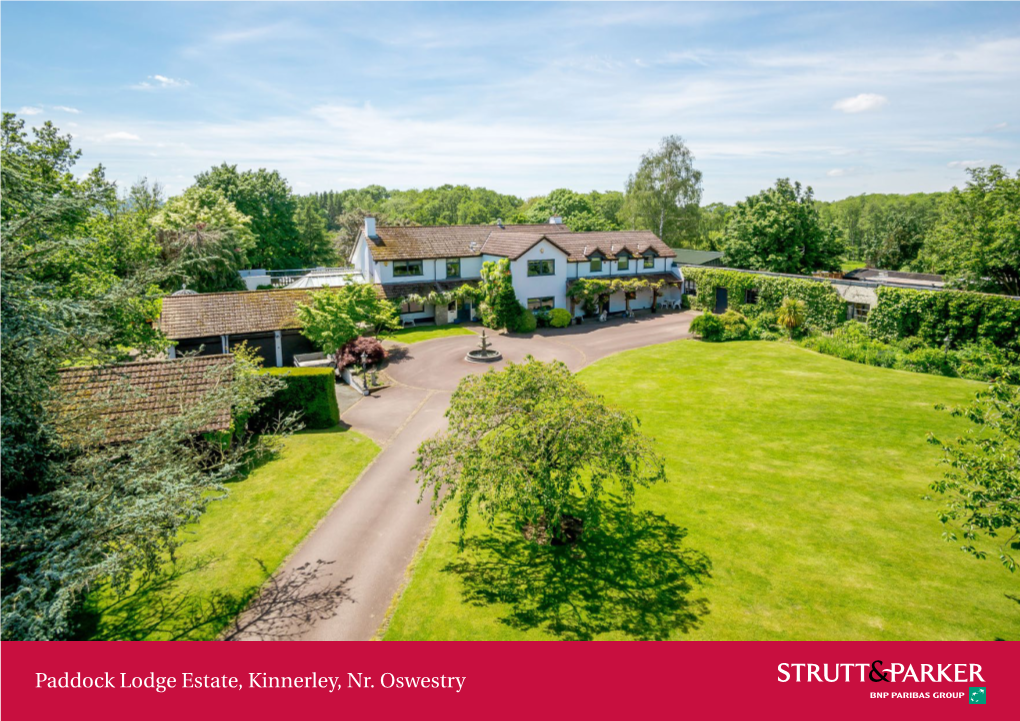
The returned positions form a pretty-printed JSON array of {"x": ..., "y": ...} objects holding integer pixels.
[{"x": 525, "y": 97}]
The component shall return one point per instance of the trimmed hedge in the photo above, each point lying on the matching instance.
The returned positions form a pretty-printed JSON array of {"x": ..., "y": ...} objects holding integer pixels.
[
  {"x": 932, "y": 315},
  {"x": 527, "y": 323},
  {"x": 825, "y": 308},
  {"x": 559, "y": 318},
  {"x": 310, "y": 392}
]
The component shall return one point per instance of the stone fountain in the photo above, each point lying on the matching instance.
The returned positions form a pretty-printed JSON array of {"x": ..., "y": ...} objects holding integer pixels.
[{"x": 483, "y": 353}]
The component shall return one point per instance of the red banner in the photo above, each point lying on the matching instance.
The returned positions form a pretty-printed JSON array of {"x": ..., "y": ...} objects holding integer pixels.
[{"x": 858, "y": 680}]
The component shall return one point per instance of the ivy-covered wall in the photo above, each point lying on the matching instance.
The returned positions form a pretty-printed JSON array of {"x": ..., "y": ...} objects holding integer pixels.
[
  {"x": 932, "y": 316},
  {"x": 825, "y": 308}
]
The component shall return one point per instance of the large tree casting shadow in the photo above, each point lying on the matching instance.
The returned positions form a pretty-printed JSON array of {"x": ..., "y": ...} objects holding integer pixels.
[
  {"x": 157, "y": 609},
  {"x": 630, "y": 575}
]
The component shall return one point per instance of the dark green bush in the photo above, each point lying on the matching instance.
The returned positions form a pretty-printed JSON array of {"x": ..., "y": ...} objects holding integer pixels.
[
  {"x": 764, "y": 327},
  {"x": 929, "y": 360},
  {"x": 978, "y": 361},
  {"x": 542, "y": 318},
  {"x": 526, "y": 323},
  {"x": 559, "y": 318},
  {"x": 983, "y": 361},
  {"x": 708, "y": 327},
  {"x": 310, "y": 392},
  {"x": 735, "y": 326}
]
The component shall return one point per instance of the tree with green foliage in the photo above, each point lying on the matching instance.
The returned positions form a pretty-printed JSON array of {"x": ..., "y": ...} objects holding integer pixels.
[
  {"x": 982, "y": 485},
  {"x": 976, "y": 236},
  {"x": 333, "y": 317},
  {"x": 532, "y": 443},
  {"x": 883, "y": 231},
  {"x": 779, "y": 230},
  {"x": 499, "y": 307},
  {"x": 266, "y": 199},
  {"x": 79, "y": 513},
  {"x": 791, "y": 314},
  {"x": 664, "y": 194},
  {"x": 210, "y": 237},
  {"x": 580, "y": 212},
  {"x": 314, "y": 240}
]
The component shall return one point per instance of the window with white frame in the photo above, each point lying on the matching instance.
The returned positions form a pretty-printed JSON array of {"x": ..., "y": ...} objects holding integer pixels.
[
  {"x": 405, "y": 268},
  {"x": 857, "y": 311}
]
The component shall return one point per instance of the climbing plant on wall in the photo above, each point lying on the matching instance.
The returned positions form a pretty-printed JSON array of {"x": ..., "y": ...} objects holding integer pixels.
[
  {"x": 589, "y": 293},
  {"x": 933, "y": 316},
  {"x": 824, "y": 308}
]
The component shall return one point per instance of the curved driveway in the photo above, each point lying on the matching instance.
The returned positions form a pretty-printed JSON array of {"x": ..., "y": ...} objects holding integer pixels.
[{"x": 372, "y": 533}]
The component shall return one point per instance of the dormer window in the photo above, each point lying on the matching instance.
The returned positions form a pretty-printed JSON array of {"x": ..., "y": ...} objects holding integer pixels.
[
  {"x": 596, "y": 264},
  {"x": 649, "y": 262},
  {"x": 623, "y": 262}
]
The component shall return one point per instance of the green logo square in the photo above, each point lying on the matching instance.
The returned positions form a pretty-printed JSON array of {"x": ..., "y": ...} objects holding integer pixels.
[{"x": 977, "y": 694}]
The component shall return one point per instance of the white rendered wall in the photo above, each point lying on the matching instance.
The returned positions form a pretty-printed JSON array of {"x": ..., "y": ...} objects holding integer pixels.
[{"x": 541, "y": 286}]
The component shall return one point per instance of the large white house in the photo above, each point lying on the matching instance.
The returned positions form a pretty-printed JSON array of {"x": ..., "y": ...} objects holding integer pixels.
[{"x": 544, "y": 260}]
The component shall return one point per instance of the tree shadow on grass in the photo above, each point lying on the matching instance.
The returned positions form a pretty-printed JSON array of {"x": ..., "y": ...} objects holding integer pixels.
[
  {"x": 631, "y": 575},
  {"x": 157, "y": 609}
]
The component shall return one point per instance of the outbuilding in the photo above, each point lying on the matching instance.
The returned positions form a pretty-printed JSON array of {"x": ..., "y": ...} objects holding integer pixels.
[{"x": 216, "y": 323}]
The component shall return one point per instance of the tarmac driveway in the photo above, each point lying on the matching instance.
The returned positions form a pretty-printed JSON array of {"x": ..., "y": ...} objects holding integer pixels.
[{"x": 369, "y": 537}]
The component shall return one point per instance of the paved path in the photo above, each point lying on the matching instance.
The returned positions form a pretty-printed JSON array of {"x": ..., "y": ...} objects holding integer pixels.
[{"x": 372, "y": 533}]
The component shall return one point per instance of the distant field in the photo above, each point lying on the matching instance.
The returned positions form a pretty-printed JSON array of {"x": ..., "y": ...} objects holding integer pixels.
[
  {"x": 801, "y": 476},
  {"x": 263, "y": 517},
  {"x": 848, "y": 265}
]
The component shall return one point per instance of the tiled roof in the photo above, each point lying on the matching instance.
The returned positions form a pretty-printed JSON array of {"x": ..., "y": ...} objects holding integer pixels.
[
  {"x": 514, "y": 245},
  {"x": 611, "y": 243},
  {"x": 214, "y": 314},
  {"x": 450, "y": 241},
  {"x": 511, "y": 241},
  {"x": 393, "y": 291},
  {"x": 124, "y": 402}
]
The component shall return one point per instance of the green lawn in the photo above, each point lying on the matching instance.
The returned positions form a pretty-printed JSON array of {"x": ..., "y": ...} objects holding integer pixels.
[
  {"x": 426, "y": 332},
  {"x": 848, "y": 265},
  {"x": 263, "y": 517},
  {"x": 801, "y": 476}
]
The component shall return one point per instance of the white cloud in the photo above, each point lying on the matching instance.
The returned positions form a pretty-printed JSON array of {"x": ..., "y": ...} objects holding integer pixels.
[
  {"x": 29, "y": 110},
  {"x": 66, "y": 109},
  {"x": 861, "y": 103},
  {"x": 966, "y": 163},
  {"x": 119, "y": 135},
  {"x": 160, "y": 82},
  {"x": 836, "y": 173},
  {"x": 997, "y": 127}
]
